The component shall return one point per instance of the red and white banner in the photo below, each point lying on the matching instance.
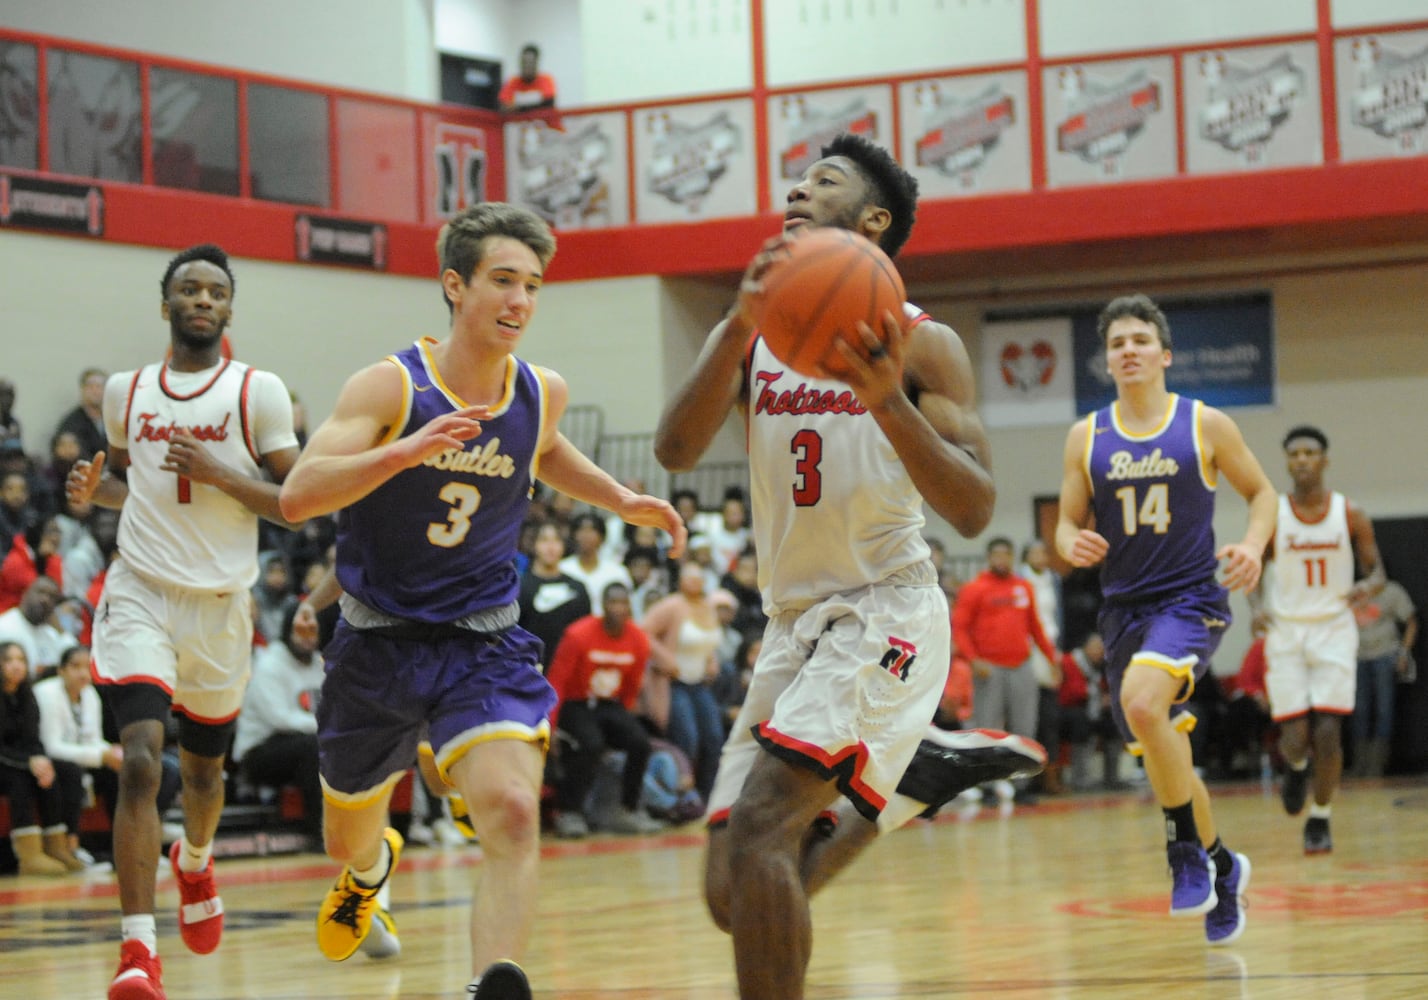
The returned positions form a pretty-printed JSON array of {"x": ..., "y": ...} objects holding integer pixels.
[
  {"x": 966, "y": 134},
  {"x": 1027, "y": 372},
  {"x": 1383, "y": 95},
  {"x": 695, "y": 162},
  {"x": 1250, "y": 108},
  {"x": 1109, "y": 121},
  {"x": 574, "y": 179}
]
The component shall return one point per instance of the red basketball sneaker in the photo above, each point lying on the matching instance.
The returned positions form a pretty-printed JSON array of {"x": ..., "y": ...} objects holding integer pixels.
[
  {"x": 140, "y": 975},
  {"x": 201, "y": 910}
]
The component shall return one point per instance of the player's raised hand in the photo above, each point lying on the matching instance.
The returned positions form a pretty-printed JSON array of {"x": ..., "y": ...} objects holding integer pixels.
[
  {"x": 1239, "y": 566},
  {"x": 874, "y": 372},
  {"x": 83, "y": 479}
]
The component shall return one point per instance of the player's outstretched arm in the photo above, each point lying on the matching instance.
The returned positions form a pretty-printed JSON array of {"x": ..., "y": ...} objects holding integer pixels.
[
  {"x": 1078, "y": 545},
  {"x": 358, "y": 448},
  {"x": 1366, "y": 554},
  {"x": 715, "y": 385}
]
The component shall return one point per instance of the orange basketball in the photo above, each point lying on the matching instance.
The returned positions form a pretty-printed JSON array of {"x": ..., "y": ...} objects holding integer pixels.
[{"x": 829, "y": 281}]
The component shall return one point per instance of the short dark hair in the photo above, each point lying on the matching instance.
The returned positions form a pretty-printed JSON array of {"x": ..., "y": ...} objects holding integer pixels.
[
  {"x": 617, "y": 588},
  {"x": 1306, "y": 431},
  {"x": 1135, "y": 306},
  {"x": 594, "y": 520},
  {"x": 889, "y": 185},
  {"x": 532, "y": 48},
  {"x": 1001, "y": 542},
  {"x": 642, "y": 552},
  {"x": 210, "y": 252},
  {"x": 70, "y": 652}
]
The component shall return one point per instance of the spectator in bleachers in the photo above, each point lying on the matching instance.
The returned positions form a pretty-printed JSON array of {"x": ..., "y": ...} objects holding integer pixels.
[
  {"x": 1036, "y": 570},
  {"x": 588, "y": 564},
  {"x": 276, "y": 740},
  {"x": 72, "y": 730},
  {"x": 17, "y": 514},
  {"x": 742, "y": 581},
  {"x": 80, "y": 555},
  {"x": 33, "y": 553},
  {"x": 647, "y": 573},
  {"x": 551, "y": 600},
  {"x": 10, "y": 432},
  {"x": 728, "y": 532},
  {"x": 29, "y": 625},
  {"x": 1247, "y": 715},
  {"x": 732, "y": 687},
  {"x": 85, "y": 422},
  {"x": 271, "y": 594},
  {"x": 1083, "y": 708},
  {"x": 701, "y": 552},
  {"x": 684, "y": 637},
  {"x": 28, "y": 778},
  {"x": 64, "y": 452},
  {"x": 686, "y": 503},
  {"x": 597, "y": 673},
  {"x": 530, "y": 89}
]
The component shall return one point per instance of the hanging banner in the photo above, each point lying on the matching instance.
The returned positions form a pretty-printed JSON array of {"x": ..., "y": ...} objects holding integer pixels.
[{"x": 1027, "y": 372}]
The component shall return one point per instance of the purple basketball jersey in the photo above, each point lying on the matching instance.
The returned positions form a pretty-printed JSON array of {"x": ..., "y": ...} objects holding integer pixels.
[
  {"x": 437, "y": 542},
  {"x": 1154, "y": 500}
]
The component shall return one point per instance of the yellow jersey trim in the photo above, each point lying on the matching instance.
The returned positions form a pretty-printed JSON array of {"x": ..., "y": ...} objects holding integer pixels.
[
  {"x": 1148, "y": 435},
  {"x": 399, "y": 425}
]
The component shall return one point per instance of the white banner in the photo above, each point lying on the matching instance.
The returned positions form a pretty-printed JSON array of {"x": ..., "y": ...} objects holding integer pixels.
[{"x": 1027, "y": 377}]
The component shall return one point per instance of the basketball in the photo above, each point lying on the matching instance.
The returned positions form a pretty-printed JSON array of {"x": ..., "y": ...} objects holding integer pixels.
[{"x": 829, "y": 281}]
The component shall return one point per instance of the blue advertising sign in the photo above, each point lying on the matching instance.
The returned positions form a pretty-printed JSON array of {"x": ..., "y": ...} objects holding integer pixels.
[{"x": 1222, "y": 352}]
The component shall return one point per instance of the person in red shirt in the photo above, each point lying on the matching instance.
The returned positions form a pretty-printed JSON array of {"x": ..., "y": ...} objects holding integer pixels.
[
  {"x": 994, "y": 623},
  {"x": 1248, "y": 716},
  {"x": 530, "y": 91},
  {"x": 597, "y": 672},
  {"x": 33, "y": 552}
]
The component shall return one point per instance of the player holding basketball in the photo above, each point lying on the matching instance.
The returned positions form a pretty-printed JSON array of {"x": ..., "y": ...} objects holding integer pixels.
[
  {"x": 431, "y": 456},
  {"x": 858, "y": 643},
  {"x": 1146, "y": 466},
  {"x": 206, "y": 441},
  {"x": 1313, "y": 641}
]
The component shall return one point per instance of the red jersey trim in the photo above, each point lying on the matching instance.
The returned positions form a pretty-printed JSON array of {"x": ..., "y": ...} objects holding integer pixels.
[
  {"x": 164, "y": 385},
  {"x": 1328, "y": 509},
  {"x": 204, "y": 720},
  {"x": 244, "y": 424},
  {"x": 100, "y": 679},
  {"x": 129, "y": 403}
]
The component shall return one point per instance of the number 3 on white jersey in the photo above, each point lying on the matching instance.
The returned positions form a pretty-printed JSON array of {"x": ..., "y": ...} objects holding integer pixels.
[{"x": 464, "y": 499}]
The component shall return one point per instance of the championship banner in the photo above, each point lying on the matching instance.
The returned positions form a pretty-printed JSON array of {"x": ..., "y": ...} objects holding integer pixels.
[
  {"x": 1222, "y": 352},
  {"x": 58, "y": 206},
  {"x": 1382, "y": 83},
  {"x": 966, "y": 134},
  {"x": 695, "y": 162},
  {"x": 1027, "y": 372},
  {"x": 1249, "y": 108},
  {"x": 322, "y": 240},
  {"x": 1109, "y": 121},
  {"x": 800, "y": 125},
  {"x": 576, "y": 178}
]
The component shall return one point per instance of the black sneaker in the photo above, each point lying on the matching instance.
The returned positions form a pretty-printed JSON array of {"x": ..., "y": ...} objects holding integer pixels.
[
  {"x": 502, "y": 981},
  {"x": 1294, "y": 790},
  {"x": 1316, "y": 836},
  {"x": 949, "y": 762}
]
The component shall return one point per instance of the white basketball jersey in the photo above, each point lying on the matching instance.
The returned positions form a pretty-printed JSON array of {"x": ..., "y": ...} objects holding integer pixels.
[
  {"x": 1313, "y": 563},
  {"x": 833, "y": 508},
  {"x": 172, "y": 529}
]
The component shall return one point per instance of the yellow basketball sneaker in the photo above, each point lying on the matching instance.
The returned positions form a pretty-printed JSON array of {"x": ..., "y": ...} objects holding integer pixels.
[{"x": 345, "y": 917}]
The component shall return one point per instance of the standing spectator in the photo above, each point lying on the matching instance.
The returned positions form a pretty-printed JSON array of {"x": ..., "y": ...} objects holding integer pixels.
[
  {"x": 531, "y": 90},
  {"x": 10, "y": 433},
  {"x": 1312, "y": 645},
  {"x": 276, "y": 741},
  {"x": 588, "y": 564},
  {"x": 86, "y": 421},
  {"x": 29, "y": 625},
  {"x": 1036, "y": 570},
  {"x": 684, "y": 637},
  {"x": 551, "y": 600},
  {"x": 174, "y": 628},
  {"x": 994, "y": 623},
  {"x": 597, "y": 672},
  {"x": 1388, "y": 628},
  {"x": 72, "y": 730},
  {"x": 28, "y": 778}
]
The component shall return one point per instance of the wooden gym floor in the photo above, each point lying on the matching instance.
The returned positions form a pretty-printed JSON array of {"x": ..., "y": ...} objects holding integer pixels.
[{"x": 1062, "y": 900}]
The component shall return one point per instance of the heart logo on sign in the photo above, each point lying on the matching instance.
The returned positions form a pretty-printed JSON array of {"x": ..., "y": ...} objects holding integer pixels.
[{"x": 1026, "y": 369}]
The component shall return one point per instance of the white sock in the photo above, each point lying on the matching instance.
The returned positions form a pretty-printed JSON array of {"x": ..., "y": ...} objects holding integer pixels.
[
  {"x": 194, "y": 859},
  {"x": 374, "y": 875},
  {"x": 384, "y": 895},
  {"x": 1297, "y": 767},
  {"x": 1316, "y": 811},
  {"x": 140, "y": 927}
]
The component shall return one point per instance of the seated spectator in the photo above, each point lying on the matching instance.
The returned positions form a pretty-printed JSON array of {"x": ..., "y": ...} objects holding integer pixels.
[
  {"x": 597, "y": 673},
  {"x": 551, "y": 600},
  {"x": 85, "y": 422},
  {"x": 9, "y": 423},
  {"x": 646, "y": 571},
  {"x": 667, "y": 794},
  {"x": 276, "y": 740},
  {"x": 29, "y": 625},
  {"x": 64, "y": 452},
  {"x": 686, "y": 504},
  {"x": 729, "y": 532},
  {"x": 1082, "y": 698},
  {"x": 32, "y": 782},
  {"x": 81, "y": 558},
  {"x": 17, "y": 515},
  {"x": 732, "y": 687},
  {"x": 72, "y": 730},
  {"x": 588, "y": 564},
  {"x": 742, "y": 581},
  {"x": 701, "y": 553},
  {"x": 531, "y": 90},
  {"x": 33, "y": 553},
  {"x": 271, "y": 595},
  {"x": 684, "y": 637}
]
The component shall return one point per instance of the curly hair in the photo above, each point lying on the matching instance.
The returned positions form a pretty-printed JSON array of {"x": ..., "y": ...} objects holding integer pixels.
[
  {"x": 889, "y": 185},
  {"x": 210, "y": 252}
]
